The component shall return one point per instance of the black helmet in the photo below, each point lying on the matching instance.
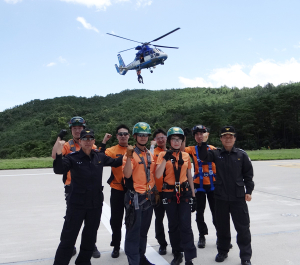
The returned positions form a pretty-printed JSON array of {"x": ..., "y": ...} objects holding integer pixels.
[
  {"x": 77, "y": 121},
  {"x": 199, "y": 128}
]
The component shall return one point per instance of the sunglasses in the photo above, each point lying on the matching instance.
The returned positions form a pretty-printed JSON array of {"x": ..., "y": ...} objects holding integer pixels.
[
  {"x": 123, "y": 133},
  {"x": 87, "y": 138},
  {"x": 142, "y": 135}
]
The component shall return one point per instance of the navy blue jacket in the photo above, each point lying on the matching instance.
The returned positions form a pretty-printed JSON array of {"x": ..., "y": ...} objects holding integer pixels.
[
  {"x": 234, "y": 172},
  {"x": 86, "y": 172}
]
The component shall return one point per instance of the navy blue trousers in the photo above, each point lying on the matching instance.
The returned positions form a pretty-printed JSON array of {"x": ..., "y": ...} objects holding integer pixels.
[
  {"x": 180, "y": 229},
  {"x": 116, "y": 219},
  {"x": 159, "y": 225},
  {"x": 73, "y": 222},
  {"x": 201, "y": 205},
  {"x": 136, "y": 236},
  {"x": 240, "y": 217}
]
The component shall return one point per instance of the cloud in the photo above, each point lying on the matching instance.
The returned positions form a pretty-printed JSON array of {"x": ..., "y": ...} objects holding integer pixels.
[
  {"x": 197, "y": 82},
  {"x": 86, "y": 25},
  {"x": 12, "y": 1},
  {"x": 261, "y": 73},
  {"x": 100, "y": 4},
  {"x": 51, "y": 64},
  {"x": 61, "y": 59},
  {"x": 140, "y": 3},
  {"x": 297, "y": 46}
]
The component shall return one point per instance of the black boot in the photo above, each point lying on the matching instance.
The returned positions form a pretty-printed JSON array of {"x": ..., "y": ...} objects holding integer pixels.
[
  {"x": 116, "y": 252},
  {"x": 201, "y": 242},
  {"x": 162, "y": 250},
  {"x": 221, "y": 257},
  {"x": 96, "y": 254},
  {"x": 177, "y": 258}
]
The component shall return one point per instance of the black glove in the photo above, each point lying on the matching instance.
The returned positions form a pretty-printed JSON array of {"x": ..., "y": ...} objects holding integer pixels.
[
  {"x": 62, "y": 134},
  {"x": 186, "y": 131},
  {"x": 168, "y": 156},
  {"x": 194, "y": 204}
]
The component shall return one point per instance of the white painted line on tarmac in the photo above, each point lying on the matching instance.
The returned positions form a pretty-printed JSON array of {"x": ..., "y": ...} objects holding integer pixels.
[{"x": 151, "y": 254}]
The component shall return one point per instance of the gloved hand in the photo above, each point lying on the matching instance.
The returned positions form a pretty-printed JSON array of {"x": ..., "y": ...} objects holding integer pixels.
[
  {"x": 194, "y": 204},
  {"x": 129, "y": 151},
  {"x": 62, "y": 134},
  {"x": 168, "y": 156},
  {"x": 186, "y": 131}
]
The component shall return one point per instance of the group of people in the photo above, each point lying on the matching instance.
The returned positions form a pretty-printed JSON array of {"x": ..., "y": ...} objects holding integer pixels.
[{"x": 159, "y": 180}]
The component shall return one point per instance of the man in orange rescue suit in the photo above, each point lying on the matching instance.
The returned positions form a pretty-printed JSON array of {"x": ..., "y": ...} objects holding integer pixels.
[
  {"x": 117, "y": 189},
  {"x": 204, "y": 177},
  {"x": 138, "y": 170},
  {"x": 76, "y": 125},
  {"x": 160, "y": 138}
]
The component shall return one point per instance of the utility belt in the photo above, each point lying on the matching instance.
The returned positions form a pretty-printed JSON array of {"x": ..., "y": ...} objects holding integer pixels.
[
  {"x": 181, "y": 193},
  {"x": 183, "y": 186},
  {"x": 145, "y": 200}
]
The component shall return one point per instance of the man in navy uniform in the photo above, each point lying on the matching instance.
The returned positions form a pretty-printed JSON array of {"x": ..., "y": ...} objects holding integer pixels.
[
  {"x": 85, "y": 199},
  {"x": 233, "y": 187}
]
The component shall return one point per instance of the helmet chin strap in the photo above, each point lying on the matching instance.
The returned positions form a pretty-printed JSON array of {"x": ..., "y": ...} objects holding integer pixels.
[{"x": 140, "y": 143}]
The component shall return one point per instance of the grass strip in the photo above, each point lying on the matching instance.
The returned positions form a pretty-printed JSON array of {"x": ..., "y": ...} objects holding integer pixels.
[
  {"x": 22, "y": 163},
  {"x": 47, "y": 162},
  {"x": 277, "y": 154}
]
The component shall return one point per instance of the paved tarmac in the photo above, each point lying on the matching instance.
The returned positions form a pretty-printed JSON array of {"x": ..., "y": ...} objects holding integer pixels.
[{"x": 32, "y": 207}]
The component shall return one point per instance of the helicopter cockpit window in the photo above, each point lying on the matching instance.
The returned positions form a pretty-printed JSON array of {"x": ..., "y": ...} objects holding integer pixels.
[{"x": 146, "y": 53}]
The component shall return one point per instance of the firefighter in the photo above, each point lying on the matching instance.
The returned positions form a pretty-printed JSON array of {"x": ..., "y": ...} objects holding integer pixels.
[
  {"x": 204, "y": 177},
  {"x": 160, "y": 138},
  {"x": 85, "y": 199},
  {"x": 138, "y": 170},
  {"x": 233, "y": 188},
  {"x": 117, "y": 188},
  {"x": 76, "y": 125},
  {"x": 178, "y": 196}
]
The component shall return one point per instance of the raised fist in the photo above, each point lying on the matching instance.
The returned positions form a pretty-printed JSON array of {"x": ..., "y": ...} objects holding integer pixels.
[
  {"x": 129, "y": 151},
  {"x": 62, "y": 134}
]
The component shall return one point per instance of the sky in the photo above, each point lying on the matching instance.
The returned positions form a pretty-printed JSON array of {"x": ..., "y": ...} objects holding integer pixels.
[{"x": 55, "y": 48}]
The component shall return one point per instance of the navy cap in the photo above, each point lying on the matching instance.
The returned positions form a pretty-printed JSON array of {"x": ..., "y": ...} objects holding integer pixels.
[
  {"x": 85, "y": 133},
  {"x": 228, "y": 130}
]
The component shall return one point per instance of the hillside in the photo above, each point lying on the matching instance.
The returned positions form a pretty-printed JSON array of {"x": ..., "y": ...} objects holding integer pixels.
[{"x": 263, "y": 116}]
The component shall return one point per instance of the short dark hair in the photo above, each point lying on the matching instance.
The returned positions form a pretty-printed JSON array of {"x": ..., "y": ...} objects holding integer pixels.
[
  {"x": 157, "y": 131},
  {"x": 122, "y": 126}
]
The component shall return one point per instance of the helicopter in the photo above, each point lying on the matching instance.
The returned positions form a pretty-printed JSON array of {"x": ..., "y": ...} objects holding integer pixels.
[{"x": 146, "y": 57}]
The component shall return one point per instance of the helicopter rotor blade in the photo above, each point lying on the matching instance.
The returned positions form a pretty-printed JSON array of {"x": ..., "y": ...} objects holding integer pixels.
[
  {"x": 165, "y": 35},
  {"x": 165, "y": 46},
  {"x": 127, "y": 49},
  {"x": 124, "y": 38}
]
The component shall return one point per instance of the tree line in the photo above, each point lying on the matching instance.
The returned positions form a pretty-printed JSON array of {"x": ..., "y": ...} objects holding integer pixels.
[{"x": 264, "y": 117}]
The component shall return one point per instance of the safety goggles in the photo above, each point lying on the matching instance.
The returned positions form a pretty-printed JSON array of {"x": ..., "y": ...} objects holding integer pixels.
[
  {"x": 87, "y": 138},
  {"x": 142, "y": 135},
  {"x": 123, "y": 133},
  {"x": 77, "y": 120}
]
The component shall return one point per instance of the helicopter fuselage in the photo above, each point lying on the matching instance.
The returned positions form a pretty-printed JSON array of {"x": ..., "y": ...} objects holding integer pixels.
[{"x": 145, "y": 58}]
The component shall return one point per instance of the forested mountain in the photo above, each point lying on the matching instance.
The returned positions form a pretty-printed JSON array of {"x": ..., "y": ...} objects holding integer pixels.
[{"x": 263, "y": 116}]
